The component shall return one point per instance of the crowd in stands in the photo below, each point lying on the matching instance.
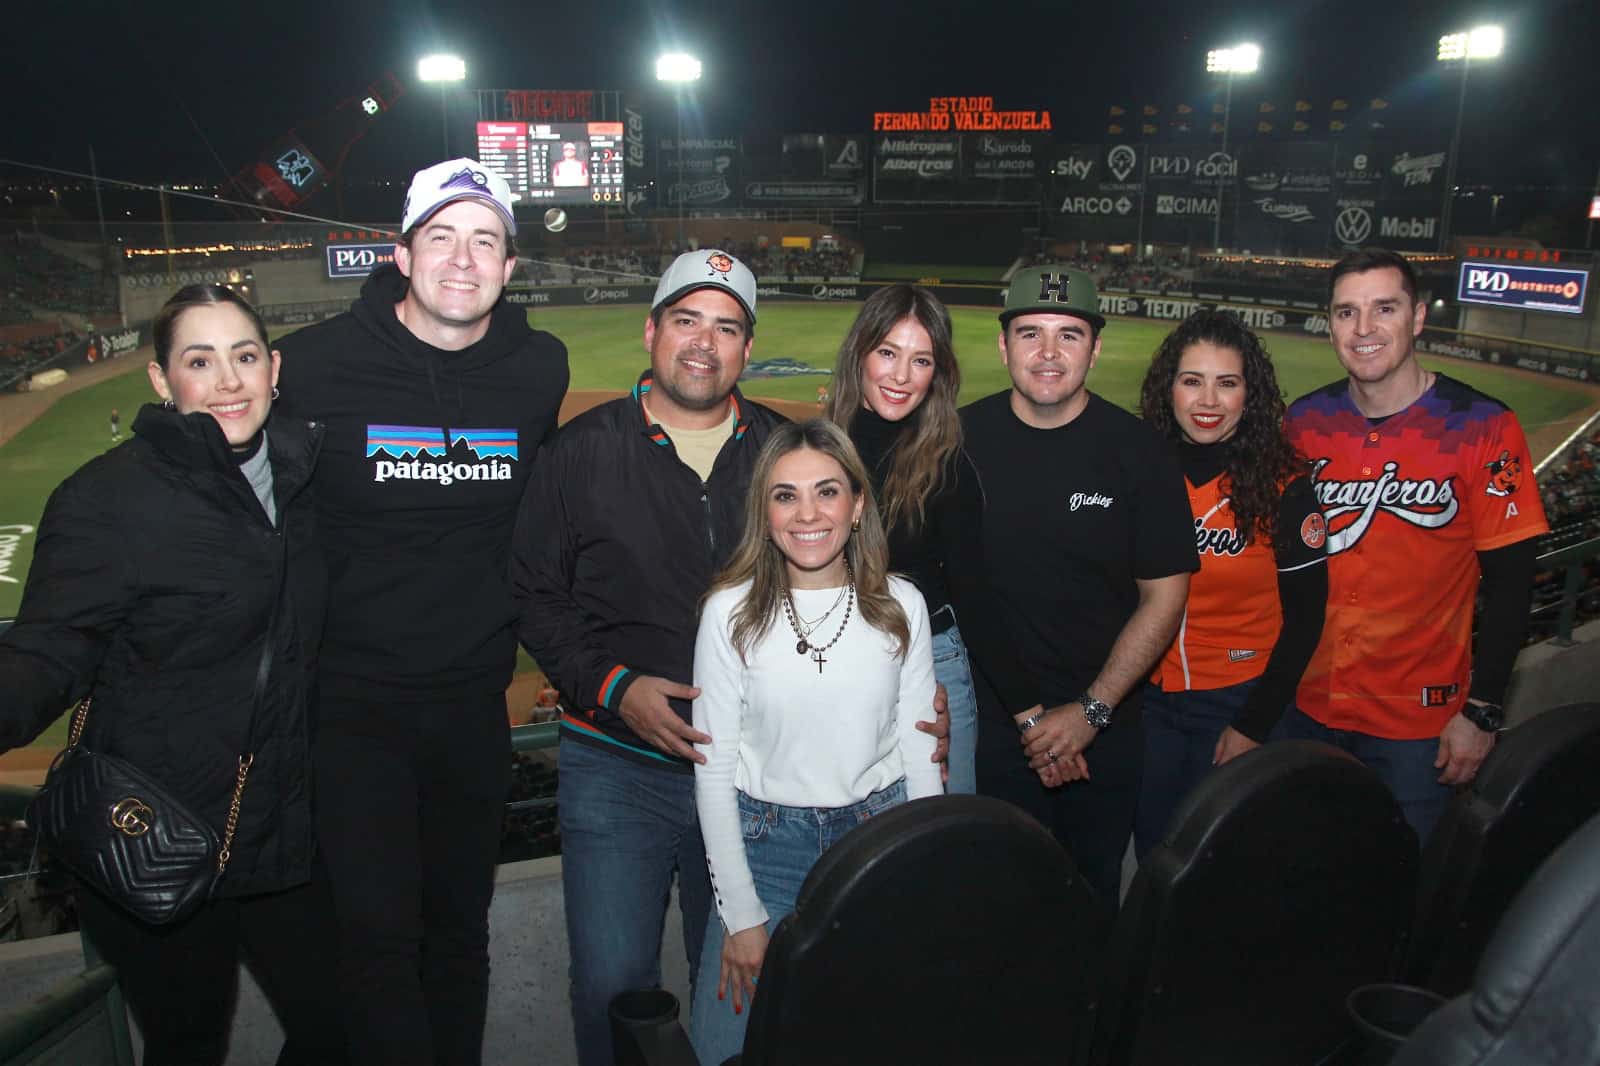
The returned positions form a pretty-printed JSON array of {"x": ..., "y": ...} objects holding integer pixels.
[
  {"x": 766, "y": 262},
  {"x": 1571, "y": 494},
  {"x": 19, "y": 359},
  {"x": 1158, "y": 273},
  {"x": 634, "y": 263},
  {"x": 32, "y": 276}
]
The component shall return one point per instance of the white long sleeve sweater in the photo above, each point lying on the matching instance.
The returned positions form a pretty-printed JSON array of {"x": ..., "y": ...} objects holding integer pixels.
[{"x": 783, "y": 732}]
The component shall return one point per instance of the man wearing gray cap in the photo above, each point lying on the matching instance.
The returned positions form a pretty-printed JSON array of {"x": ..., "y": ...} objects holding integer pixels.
[
  {"x": 1087, "y": 543},
  {"x": 632, "y": 509},
  {"x": 434, "y": 394}
]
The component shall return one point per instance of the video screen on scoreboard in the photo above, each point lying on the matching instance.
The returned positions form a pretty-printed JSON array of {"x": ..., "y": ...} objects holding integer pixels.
[{"x": 555, "y": 162}]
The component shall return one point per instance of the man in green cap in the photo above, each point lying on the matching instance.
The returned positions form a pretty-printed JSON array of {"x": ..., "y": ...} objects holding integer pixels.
[{"x": 1087, "y": 543}]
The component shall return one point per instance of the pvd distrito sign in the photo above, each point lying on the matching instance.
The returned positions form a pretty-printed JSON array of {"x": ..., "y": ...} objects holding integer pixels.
[
  {"x": 1523, "y": 288},
  {"x": 357, "y": 260}
]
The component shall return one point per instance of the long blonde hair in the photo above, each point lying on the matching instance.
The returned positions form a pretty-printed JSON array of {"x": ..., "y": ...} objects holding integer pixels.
[
  {"x": 923, "y": 456},
  {"x": 759, "y": 561}
]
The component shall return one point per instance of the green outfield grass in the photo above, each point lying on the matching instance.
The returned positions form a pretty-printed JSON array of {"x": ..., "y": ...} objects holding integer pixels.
[{"x": 607, "y": 352}]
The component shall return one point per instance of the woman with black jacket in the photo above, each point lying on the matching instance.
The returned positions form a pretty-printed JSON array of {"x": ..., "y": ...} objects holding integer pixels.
[{"x": 161, "y": 569}]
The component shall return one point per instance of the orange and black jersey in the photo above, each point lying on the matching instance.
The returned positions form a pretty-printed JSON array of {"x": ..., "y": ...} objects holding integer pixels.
[
  {"x": 1414, "y": 502},
  {"x": 1255, "y": 609}
]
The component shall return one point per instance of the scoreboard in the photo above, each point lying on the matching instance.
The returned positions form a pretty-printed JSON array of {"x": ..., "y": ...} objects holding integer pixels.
[{"x": 556, "y": 162}]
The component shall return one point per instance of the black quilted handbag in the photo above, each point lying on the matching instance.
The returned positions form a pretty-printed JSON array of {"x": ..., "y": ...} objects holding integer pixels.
[{"x": 127, "y": 835}]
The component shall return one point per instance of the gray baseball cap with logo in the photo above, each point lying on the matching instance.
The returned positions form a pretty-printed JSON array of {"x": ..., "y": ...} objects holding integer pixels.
[
  {"x": 708, "y": 268},
  {"x": 1053, "y": 289}
]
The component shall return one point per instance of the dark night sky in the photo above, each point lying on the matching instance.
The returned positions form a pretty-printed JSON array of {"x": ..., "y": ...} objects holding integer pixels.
[{"x": 120, "y": 74}]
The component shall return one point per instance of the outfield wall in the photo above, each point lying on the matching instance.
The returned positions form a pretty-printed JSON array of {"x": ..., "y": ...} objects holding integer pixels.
[{"x": 1562, "y": 362}]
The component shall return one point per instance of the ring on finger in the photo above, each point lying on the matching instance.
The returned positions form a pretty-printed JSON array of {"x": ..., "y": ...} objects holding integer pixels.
[{"x": 1051, "y": 755}]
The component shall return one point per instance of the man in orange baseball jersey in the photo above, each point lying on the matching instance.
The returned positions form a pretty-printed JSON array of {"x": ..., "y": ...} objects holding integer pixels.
[{"x": 1421, "y": 480}]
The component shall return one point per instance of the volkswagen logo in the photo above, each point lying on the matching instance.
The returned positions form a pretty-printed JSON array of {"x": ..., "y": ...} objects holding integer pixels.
[
  {"x": 1353, "y": 225},
  {"x": 132, "y": 817}
]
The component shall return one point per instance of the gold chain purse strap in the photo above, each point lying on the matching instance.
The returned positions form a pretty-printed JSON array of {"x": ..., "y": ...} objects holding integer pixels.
[
  {"x": 226, "y": 851},
  {"x": 80, "y": 716}
]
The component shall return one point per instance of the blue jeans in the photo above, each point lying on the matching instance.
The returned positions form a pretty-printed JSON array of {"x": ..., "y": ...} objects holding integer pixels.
[
  {"x": 1180, "y": 737},
  {"x": 950, "y": 669},
  {"x": 1406, "y": 766},
  {"x": 781, "y": 844},
  {"x": 625, "y": 829}
]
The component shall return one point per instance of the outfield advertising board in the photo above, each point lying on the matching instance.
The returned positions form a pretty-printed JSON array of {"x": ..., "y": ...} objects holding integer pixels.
[
  {"x": 699, "y": 172},
  {"x": 1277, "y": 196},
  {"x": 1522, "y": 288},
  {"x": 357, "y": 260}
]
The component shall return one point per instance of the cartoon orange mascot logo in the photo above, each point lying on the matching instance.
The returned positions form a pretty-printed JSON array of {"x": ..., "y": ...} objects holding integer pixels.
[
  {"x": 721, "y": 262},
  {"x": 1505, "y": 474}
]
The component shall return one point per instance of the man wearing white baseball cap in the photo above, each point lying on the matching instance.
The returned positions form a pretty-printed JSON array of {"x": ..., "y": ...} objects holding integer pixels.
[
  {"x": 631, "y": 510},
  {"x": 434, "y": 394}
]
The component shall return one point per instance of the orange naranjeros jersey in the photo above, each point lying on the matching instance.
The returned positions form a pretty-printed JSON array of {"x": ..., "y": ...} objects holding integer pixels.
[
  {"x": 1233, "y": 616},
  {"x": 1409, "y": 500}
]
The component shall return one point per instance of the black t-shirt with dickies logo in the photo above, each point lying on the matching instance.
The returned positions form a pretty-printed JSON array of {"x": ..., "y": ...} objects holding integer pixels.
[{"x": 1072, "y": 518}]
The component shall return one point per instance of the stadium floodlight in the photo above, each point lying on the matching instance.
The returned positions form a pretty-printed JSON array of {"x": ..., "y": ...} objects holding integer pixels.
[
  {"x": 677, "y": 66},
  {"x": 1480, "y": 42},
  {"x": 1240, "y": 59},
  {"x": 680, "y": 70},
  {"x": 443, "y": 69}
]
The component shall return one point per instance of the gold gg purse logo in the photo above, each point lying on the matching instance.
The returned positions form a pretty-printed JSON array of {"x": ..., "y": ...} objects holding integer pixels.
[{"x": 132, "y": 817}]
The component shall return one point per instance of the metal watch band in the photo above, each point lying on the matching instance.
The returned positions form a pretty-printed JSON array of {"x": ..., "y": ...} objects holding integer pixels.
[{"x": 1096, "y": 712}]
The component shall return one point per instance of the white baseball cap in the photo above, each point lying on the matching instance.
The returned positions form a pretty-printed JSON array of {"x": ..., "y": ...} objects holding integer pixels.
[
  {"x": 456, "y": 179},
  {"x": 709, "y": 268}
]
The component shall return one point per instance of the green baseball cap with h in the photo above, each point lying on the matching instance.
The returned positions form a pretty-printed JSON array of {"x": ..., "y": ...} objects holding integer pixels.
[{"x": 1052, "y": 289}]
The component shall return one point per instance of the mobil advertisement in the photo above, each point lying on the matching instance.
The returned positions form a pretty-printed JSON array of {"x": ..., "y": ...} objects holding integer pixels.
[{"x": 1523, "y": 288}]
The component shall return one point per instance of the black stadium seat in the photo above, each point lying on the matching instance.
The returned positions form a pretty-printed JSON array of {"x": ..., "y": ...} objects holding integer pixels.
[
  {"x": 1533, "y": 999},
  {"x": 1539, "y": 784},
  {"x": 949, "y": 930},
  {"x": 1286, "y": 879}
]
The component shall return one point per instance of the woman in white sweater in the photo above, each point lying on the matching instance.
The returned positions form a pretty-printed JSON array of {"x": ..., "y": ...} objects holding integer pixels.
[{"x": 814, "y": 666}]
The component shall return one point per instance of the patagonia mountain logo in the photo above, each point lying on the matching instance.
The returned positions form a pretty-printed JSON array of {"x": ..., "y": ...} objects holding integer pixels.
[{"x": 419, "y": 453}]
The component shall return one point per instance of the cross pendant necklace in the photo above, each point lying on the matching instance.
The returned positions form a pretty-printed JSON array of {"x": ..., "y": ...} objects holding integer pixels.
[{"x": 803, "y": 645}]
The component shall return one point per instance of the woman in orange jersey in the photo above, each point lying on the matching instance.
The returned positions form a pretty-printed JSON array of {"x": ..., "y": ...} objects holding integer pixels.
[{"x": 1256, "y": 606}]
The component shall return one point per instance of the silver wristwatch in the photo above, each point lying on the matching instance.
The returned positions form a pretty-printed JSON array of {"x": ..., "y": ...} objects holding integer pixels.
[{"x": 1096, "y": 712}]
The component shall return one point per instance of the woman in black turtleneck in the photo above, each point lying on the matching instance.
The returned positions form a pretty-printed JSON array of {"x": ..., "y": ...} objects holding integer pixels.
[
  {"x": 163, "y": 570},
  {"x": 1256, "y": 606},
  {"x": 894, "y": 391}
]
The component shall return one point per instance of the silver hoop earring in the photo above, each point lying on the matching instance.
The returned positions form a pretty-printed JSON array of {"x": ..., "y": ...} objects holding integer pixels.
[{"x": 274, "y": 392}]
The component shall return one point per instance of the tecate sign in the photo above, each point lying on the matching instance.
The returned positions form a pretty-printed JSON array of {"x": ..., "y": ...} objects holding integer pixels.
[
  {"x": 357, "y": 260},
  {"x": 1523, "y": 287}
]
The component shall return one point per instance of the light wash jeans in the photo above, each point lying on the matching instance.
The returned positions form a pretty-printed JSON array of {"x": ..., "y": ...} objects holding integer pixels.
[
  {"x": 781, "y": 844},
  {"x": 951, "y": 669}
]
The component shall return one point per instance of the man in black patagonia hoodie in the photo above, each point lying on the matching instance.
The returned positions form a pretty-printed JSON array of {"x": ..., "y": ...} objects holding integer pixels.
[{"x": 435, "y": 395}]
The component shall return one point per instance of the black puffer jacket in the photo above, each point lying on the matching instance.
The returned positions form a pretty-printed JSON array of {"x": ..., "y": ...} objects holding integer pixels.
[{"x": 151, "y": 587}]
